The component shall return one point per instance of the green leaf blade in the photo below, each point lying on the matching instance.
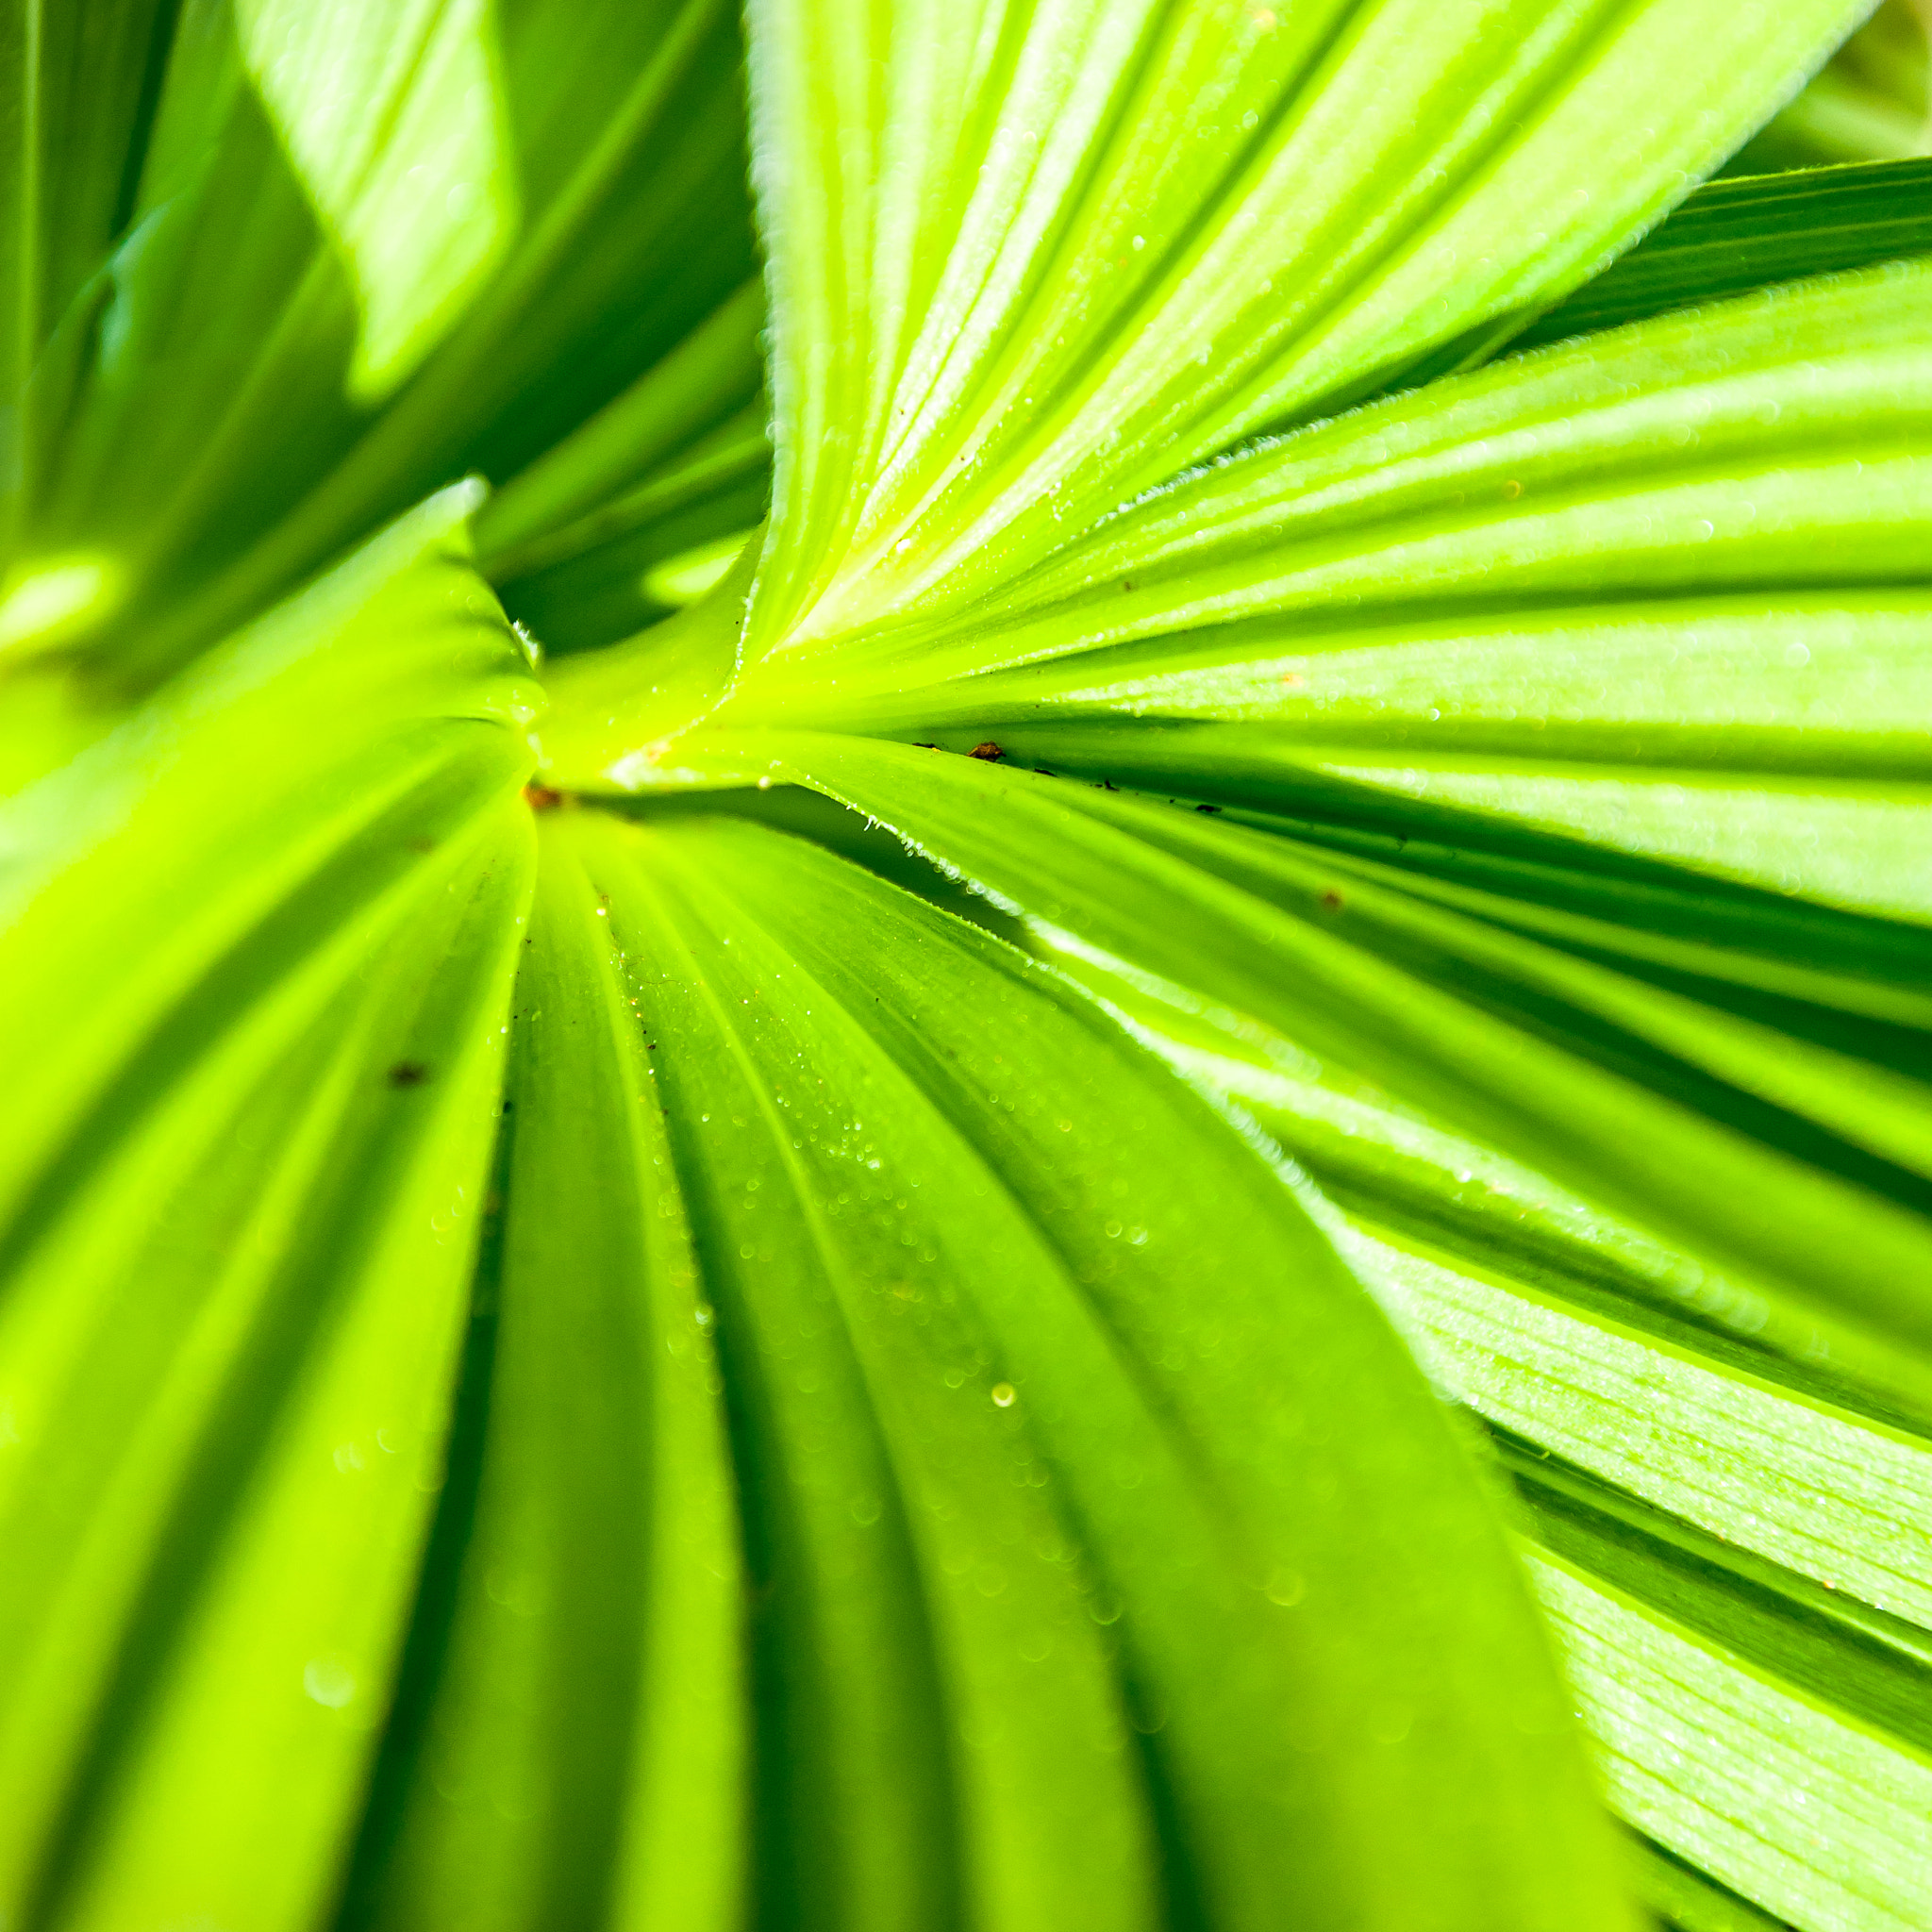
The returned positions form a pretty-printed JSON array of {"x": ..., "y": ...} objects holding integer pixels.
[
  {"x": 1733, "y": 234},
  {"x": 591, "y": 1685},
  {"x": 1250, "y": 1443},
  {"x": 393, "y": 116},
  {"x": 1388, "y": 153},
  {"x": 943, "y": 1474},
  {"x": 295, "y": 1447}
]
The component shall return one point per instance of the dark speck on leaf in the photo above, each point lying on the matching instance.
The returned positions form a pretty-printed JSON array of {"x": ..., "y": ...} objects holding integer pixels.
[
  {"x": 1207, "y": 808},
  {"x": 988, "y": 751},
  {"x": 1042, "y": 771},
  {"x": 1107, "y": 785},
  {"x": 407, "y": 1074},
  {"x": 541, "y": 798},
  {"x": 1331, "y": 900},
  {"x": 1126, "y": 583},
  {"x": 920, "y": 744}
]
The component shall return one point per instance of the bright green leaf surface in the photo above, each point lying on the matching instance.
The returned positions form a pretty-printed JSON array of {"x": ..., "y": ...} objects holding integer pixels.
[
  {"x": 393, "y": 114},
  {"x": 586, "y": 1744},
  {"x": 218, "y": 1486},
  {"x": 1783, "y": 451},
  {"x": 1824, "y": 1495},
  {"x": 1344, "y": 967},
  {"x": 1734, "y": 1465},
  {"x": 1060, "y": 1123},
  {"x": 1519, "y": 1307},
  {"x": 1744, "y": 1791},
  {"x": 649, "y": 1366},
  {"x": 295, "y": 1625},
  {"x": 1103, "y": 317},
  {"x": 404, "y": 680},
  {"x": 1733, "y": 234},
  {"x": 915, "y": 1598}
]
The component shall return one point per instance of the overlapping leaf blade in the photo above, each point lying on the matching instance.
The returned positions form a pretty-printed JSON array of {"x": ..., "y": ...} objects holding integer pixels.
[
  {"x": 394, "y": 117},
  {"x": 1678, "y": 457},
  {"x": 1102, "y": 319},
  {"x": 573, "y": 1746},
  {"x": 1734, "y": 235},
  {"x": 1428, "y": 695},
  {"x": 1867, "y": 1503},
  {"x": 1462, "y": 775},
  {"x": 270, "y": 204},
  {"x": 1066, "y": 1125},
  {"x": 258, "y": 955},
  {"x": 225, "y": 1774},
  {"x": 1339, "y": 962}
]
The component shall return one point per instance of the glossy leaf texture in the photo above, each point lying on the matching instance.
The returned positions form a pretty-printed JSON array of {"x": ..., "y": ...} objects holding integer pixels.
[
  {"x": 1000, "y": 308},
  {"x": 1511, "y": 794},
  {"x": 789, "y": 1327},
  {"x": 1054, "y": 1467}
]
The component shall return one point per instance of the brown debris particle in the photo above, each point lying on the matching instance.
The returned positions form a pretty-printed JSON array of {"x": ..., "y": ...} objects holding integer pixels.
[
  {"x": 540, "y": 797},
  {"x": 988, "y": 751},
  {"x": 407, "y": 1074},
  {"x": 1331, "y": 900}
]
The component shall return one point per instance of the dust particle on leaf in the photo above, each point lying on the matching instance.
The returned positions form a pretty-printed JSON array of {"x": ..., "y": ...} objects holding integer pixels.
[
  {"x": 407, "y": 1074},
  {"x": 988, "y": 751}
]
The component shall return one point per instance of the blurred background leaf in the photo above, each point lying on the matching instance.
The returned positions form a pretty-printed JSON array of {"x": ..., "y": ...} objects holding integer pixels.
[{"x": 1869, "y": 103}]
